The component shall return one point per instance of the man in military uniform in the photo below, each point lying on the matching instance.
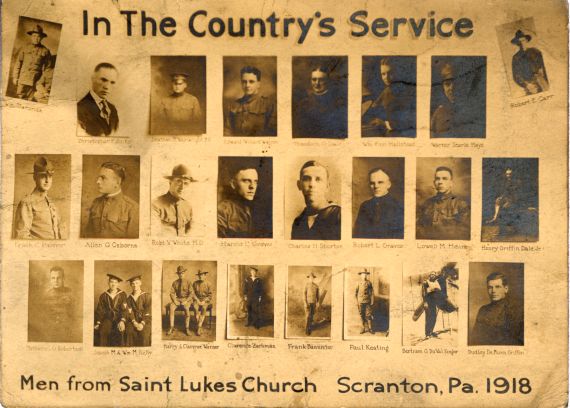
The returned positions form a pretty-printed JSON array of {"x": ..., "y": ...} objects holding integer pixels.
[
  {"x": 445, "y": 215},
  {"x": 109, "y": 320},
  {"x": 181, "y": 294},
  {"x": 252, "y": 114},
  {"x": 321, "y": 218},
  {"x": 311, "y": 301},
  {"x": 501, "y": 322},
  {"x": 235, "y": 213},
  {"x": 172, "y": 213},
  {"x": 113, "y": 214},
  {"x": 179, "y": 112},
  {"x": 96, "y": 116},
  {"x": 364, "y": 296},
  {"x": 36, "y": 215},
  {"x": 32, "y": 60},
  {"x": 58, "y": 309},
  {"x": 528, "y": 66},
  {"x": 382, "y": 216},
  {"x": 253, "y": 296},
  {"x": 137, "y": 315},
  {"x": 202, "y": 300}
]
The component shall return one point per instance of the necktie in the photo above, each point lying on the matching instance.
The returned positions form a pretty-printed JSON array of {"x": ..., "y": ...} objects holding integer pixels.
[
  {"x": 105, "y": 111},
  {"x": 177, "y": 225}
]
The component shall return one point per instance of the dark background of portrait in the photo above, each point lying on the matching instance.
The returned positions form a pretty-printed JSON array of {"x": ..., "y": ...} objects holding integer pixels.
[
  {"x": 39, "y": 283},
  {"x": 89, "y": 191},
  {"x": 470, "y": 84},
  {"x": 236, "y": 326},
  {"x": 302, "y": 67},
  {"x": 264, "y": 194},
  {"x": 404, "y": 69},
  {"x": 296, "y": 317},
  {"x": 232, "y": 78},
  {"x": 60, "y": 191},
  {"x": 526, "y": 172},
  {"x": 25, "y": 24},
  {"x": 161, "y": 68},
  {"x": 393, "y": 166},
  {"x": 478, "y": 295},
  {"x": 380, "y": 278},
  {"x": 294, "y": 201}
]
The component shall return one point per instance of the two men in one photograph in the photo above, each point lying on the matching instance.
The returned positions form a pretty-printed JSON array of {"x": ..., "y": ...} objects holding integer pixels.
[
  {"x": 244, "y": 211},
  {"x": 499, "y": 320},
  {"x": 389, "y": 97},
  {"x": 110, "y": 314},
  {"x": 254, "y": 112},
  {"x": 113, "y": 214},
  {"x": 322, "y": 110},
  {"x": 445, "y": 215},
  {"x": 458, "y": 97}
]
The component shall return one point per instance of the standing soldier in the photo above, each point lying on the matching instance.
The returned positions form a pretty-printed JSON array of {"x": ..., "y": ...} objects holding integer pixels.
[
  {"x": 33, "y": 59},
  {"x": 253, "y": 295},
  {"x": 311, "y": 300},
  {"x": 138, "y": 315},
  {"x": 181, "y": 294},
  {"x": 108, "y": 316},
  {"x": 202, "y": 300},
  {"x": 365, "y": 300}
]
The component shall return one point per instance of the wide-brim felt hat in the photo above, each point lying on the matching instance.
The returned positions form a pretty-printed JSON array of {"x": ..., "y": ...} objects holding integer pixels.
[
  {"x": 181, "y": 269},
  {"x": 364, "y": 272},
  {"x": 200, "y": 273},
  {"x": 518, "y": 35},
  {"x": 43, "y": 166},
  {"x": 38, "y": 30},
  {"x": 311, "y": 274},
  {"x": 181, "y": 171}
]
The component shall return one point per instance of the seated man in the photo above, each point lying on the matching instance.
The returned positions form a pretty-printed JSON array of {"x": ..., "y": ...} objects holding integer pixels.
[
  {"x": 202, "y": 300},
  {"x": 181, "y": 294}
]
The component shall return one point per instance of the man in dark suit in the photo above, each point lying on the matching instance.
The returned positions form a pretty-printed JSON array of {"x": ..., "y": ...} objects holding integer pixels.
[{"x": 96, "y": 116}]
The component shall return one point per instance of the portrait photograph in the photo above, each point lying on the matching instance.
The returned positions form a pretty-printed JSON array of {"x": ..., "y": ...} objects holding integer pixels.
[
  {"x": 312, "y": 199},
  {"x": 110, "y": 196},
  {"x": 55, "y": 302},
  {"x": 308, "y": 302},
  {"x": 189, "y": 292},
  {"x": 250, "y": 302},
  {"x": 33, "y": 60},
  {"x": 458, "y": 97},
  {"x": 178, "y": 95},
  {"x": 250, "y": 96},
  {"x": 522, "y": 51},
  {"x": 510, "y": 200},
  {"x": 388, "y": 96},
  {"x": 42, "y": 192},
  {"x": 430, "y": 304},
  {"x": 378, "y": 197},
  {"x": 496, "y": 304},
  {"x": 366, "y": 312},
  {"x": 122, "y": 304},
  {"x": 182, "y": 196},
  {"x": 245, "y": 197},
  {"x": 319, "y": 101},
  {"x": 443, "y": 198}
]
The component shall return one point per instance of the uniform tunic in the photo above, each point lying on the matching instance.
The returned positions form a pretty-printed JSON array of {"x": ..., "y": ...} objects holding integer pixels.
[
  {"x": 499, "y": 323},
  {"x": 443, "y": 216},
  {"x": 175, "y": 215},
  {"x": 58, "y": 316},
  {"x": 235, "y": 219},
  {"x": 36, "y": 218},
  {"x": 203, "y": 294},
  {"x": 108, "y": 314},
  {"x": 528, "y": 68},
  {"x": 311, "y": 299},
  {"x": 31, "y": 62},
  {"x": 113, "y": 217},
  {"x": 181, "y": 292},
  {"x": 251, "y": 116},
  {"x": 364, "y": 297},
  {"x": 380, "y": 217},
  {"x": 178, "y": 114},
  {"x": 326, "y": 225},
  {"x": 138, "y": 310}
]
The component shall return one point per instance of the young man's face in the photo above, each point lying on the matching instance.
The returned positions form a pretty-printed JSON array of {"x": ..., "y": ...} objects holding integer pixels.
[
  {"x": 245, "y": 183},
  {"x": 523, "y": 42},
  {"x": 449, "y": 89},
  {"x": 497, "y": 290},
  {"x": 379, "y": 184},
  {"x": 363, "y": 276},
  {"x": 314, "y": 184},
  {"x": 35, "y": 38},
  {"x": 179, "y": 85},
  {"x": 178, "y": 186},
  {"x": 136, "y": 285},
  {"x": 103, "y": 82},
  {"x": 319, "y": 82},
  {"x": 56, "y": 279},
  {"x": 387, "y": 74},
  {"x": 252, "y": 273},
  {"x": 180, "y": 275},
  {"x": 250, "y": 84},
  {"x": 43, "y": 181},
  {"x": 113, "y": 284},
  {"x": 443, "y": 181},
  {"x": 107, "y": 181}
]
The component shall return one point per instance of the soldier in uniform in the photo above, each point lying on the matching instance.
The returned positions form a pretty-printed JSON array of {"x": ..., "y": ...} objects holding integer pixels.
[
  {"x": 253, "y": 296},
  {"x": 43, "y": 86},
  {"x": 235, "y": 213},
  {"x": 109, "y": 314},
  {"x": 36, "y": 215},
  {"x": 181, "y": 294},
  {"x": 321, "y": 218},
  {"x": 311, "y": 301},
  {"x": 202, "y": 299},
  {"x": 58, "y": 307},
  {"x": 137, "y": 315},
  {"x": 364, "y": 295},
  {"x": 113, "y": 214},
  {"x": 252, "y": 114},
  {"x": 528, "y": 66},
  {"x": 445, "y": 215},
  {"x": 179, "y": 112},
  {"x": 172, "y": 213},
  {"x": 32, "y": 60}
]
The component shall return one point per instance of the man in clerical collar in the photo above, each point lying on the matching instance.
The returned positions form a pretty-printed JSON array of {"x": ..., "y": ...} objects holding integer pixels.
[
  {"x": 445, "y": 215},
  {"x": 109, "y": 320},
  {"x": 36, "y": 214},
  {"x": 501, "y": 322},
  {"x": 321, "y": 218},
  {"x": 382, "y": 216},
  {"x": 252, "y": 114},
  {"x": 137, "y": 315},
  {"x": 181, "y": 295},
  {"x": 202, "y": 299},
  {"x": 113, "y": 214},
  {"x": 172, "y": 213}
]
